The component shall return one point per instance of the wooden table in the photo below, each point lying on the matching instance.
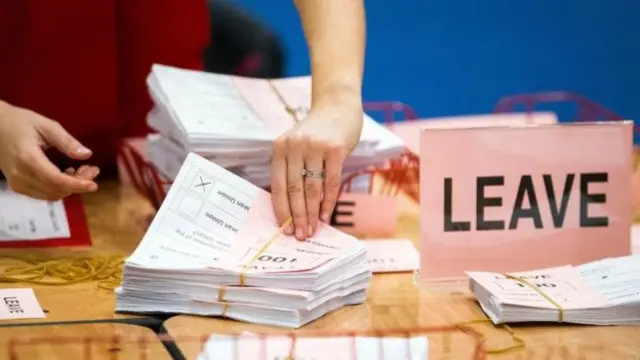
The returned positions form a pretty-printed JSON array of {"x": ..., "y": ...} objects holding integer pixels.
[
  {"x": 394, "y": 302},
  {"x": 82, "y": 342},
  {"x": 116, "y": 217}
]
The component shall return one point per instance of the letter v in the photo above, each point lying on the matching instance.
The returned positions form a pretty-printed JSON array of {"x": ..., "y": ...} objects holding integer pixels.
[{"x": 558, "y": 214}]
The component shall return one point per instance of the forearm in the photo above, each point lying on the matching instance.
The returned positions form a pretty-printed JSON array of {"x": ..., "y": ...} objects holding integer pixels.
[{"x": 335, "y": 33}]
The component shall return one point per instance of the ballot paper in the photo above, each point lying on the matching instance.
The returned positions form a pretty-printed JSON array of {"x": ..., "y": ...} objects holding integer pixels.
[
  {"x": 19, "y": 304},
  {"x": 214, "y": 245},
  {"x": 391, "y": 255},
  {"x": 233, "y": 121},
  {"x": 604, "y": 292},
  {"x": 254, "y": 347},
  {"x": 24, "y": 218}
]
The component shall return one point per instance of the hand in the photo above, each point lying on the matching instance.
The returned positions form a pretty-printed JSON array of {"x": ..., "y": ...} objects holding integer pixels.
[
  {"x": 319, "y": 143},
  {"x": 23, "y": 136}
]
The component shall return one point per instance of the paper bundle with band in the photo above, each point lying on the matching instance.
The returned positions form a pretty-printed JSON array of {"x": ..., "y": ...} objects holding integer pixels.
[
  {"x": 254, "y": 347},
  {"x": 214, "y": 248},
  {"x": 233, "y": 121},
  {"x": 604, "y": 292}
]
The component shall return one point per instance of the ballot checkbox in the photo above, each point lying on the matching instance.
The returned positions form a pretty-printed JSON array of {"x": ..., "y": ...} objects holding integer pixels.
[
  {"x": 190, "y": 205},
  {"x": 201, "y": 184}
]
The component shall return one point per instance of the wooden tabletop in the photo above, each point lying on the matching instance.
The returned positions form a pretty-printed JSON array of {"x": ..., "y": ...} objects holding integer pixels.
[
  {"x": 394, "y": 302},
  {"x": 82, "y": 342},
  {"x": 116, "y": 217}
]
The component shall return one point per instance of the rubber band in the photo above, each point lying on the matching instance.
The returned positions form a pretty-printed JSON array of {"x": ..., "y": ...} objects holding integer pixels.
[
  {"x": 283, "y": 101},
  {"x": 105, "y": 270},
  {"x": 225, "y": 307},
  {"x": 517, "y": 342},
  {"x": 263, "y": 249},
  {"x": 542, "y": 293},
  {"x": 221, "y": 291}
]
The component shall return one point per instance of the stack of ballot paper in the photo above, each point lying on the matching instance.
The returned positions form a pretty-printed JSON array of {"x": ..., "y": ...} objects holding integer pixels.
[
  {"x": 214, "y": 248},
  {"x": 254, "y": 347},
  {"x": 604, "y": 292},
  {"x": 233, "y": 121}
]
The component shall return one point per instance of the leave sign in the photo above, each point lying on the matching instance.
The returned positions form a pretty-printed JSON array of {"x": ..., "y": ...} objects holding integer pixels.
[{"x": 504, "y": 199}]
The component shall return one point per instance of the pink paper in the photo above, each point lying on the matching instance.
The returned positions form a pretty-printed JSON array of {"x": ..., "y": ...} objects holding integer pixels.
[
  {"x": 597, "y": 155},
  {"x": 19, "y": 304},
  {"x": 366, "y": 215},
  {"x": 409, "y": 131}
]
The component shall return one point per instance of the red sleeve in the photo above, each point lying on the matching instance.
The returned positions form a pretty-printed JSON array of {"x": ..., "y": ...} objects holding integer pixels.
[{"x": 167, "y": 32}]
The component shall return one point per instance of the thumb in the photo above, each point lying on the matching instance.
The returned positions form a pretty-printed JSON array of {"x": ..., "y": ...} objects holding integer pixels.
[{"x": 55, "y": 135}]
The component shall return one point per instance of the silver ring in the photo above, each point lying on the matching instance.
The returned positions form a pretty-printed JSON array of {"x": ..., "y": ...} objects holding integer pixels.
[{"x": 313, "y": 174}]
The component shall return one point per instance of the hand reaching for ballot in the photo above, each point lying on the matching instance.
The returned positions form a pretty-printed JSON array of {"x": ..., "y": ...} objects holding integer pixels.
[
  {"x": 24, "y": 135},
  {"x": 307, "y": 165}
]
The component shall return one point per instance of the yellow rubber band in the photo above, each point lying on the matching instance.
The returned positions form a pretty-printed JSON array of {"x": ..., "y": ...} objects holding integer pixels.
[
  {"x": 263, "y": 249},
  {"x": 542, "y": 293}
]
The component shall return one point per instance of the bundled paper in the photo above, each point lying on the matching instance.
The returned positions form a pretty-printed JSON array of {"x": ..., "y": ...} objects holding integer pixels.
[
  {"x": 233, "y": 121},
  {"x": 604, "y": 292},
  {"x": 254, "y": 347},
  {"x": 214, "y": 248}
]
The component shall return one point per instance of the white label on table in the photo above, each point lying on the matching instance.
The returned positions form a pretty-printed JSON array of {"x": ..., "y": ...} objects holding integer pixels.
[
  {"x": 391, "y": 255},
  {"x": 19, "y": 304},
  {"x": 24, "y": 218}
]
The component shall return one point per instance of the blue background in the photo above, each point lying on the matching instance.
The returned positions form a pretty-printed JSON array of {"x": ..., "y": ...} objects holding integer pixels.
[{"x": 460, "y": 57}]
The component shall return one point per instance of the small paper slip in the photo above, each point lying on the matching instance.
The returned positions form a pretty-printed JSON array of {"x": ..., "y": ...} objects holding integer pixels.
[
  {"x": 251, "y": 347},
  {"x": 19, "y": 304},
  {"x": 391, "y": 255},
  {"x": 214, "y": 248},
  {"x": 24, "y": 218},
  {"x": 604, "y": 292}
]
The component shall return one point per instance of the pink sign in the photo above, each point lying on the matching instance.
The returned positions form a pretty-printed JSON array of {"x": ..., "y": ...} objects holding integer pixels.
[
  {"x": 409, "y": 131},
  {"x": 527, "y": 197},
  {"x": 366, "y": 216}
]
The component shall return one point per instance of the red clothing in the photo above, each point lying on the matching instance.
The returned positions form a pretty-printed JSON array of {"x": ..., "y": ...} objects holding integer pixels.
[{"x": 84, "y": 63}]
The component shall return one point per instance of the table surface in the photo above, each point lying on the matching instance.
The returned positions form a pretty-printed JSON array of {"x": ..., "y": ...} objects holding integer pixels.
[
  {"x": 116, "y": 217},
  {"x": 81, "y": 341}
]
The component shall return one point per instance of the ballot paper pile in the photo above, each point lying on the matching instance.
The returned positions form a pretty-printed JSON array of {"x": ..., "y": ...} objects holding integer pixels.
[
  {"x": 214, "y": 249},
  {"x": 233, "y": 121},
  {"x": 253, "y": 347},
  {"x": 604, "y": 292}
]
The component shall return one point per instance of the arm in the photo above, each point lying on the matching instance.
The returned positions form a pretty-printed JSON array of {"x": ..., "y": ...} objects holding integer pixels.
[{"x": 335, "y": 32}]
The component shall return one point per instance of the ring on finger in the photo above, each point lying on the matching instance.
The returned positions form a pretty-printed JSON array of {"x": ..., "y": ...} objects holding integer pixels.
[{"x": 313, "y": 174}]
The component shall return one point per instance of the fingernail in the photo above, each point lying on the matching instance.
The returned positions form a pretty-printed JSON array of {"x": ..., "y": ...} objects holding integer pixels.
[
  {"x": 310, "y": 230},
  {"x": 325, "y": 217},
  {"x": 288, "y": 229},
  {"x": 299, "y": 234},
  {"x": 82, "y": 150},
  {"x": 92, "y": 186}
]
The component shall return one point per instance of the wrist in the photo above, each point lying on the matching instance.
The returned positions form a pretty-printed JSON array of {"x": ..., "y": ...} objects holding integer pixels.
[{"x": 338, "y": 95}]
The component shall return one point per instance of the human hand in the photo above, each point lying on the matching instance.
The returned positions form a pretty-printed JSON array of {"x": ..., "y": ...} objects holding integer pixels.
[
  {"x": 24, "y": 135},
  {"x": 318, "y": 144}
]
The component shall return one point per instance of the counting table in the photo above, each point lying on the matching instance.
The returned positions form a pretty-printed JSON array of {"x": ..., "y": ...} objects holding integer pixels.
[{"x": 117, "y": 217}]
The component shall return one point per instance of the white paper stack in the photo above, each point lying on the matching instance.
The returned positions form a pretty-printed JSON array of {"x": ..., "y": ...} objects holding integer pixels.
[
  {"x": 233, "y": 121},
  {"x": 254, "y": 347},
  {"x": 604, "y": 292},
  {"x": 205, "y": 253}
]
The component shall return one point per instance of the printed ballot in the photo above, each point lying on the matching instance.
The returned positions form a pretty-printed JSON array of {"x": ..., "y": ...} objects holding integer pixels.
[
  {"x": 214, "y": 248},
  {"x": 391, "y": 255},
  {"x": 28, "y": 222},
  {"x": 233, "y": 121},
  {"x": 524, "y": 197},
  {"x": 19, "y": 304},
  {"x": 603, "y": 292},
  {"x": 254, "y": 347}
]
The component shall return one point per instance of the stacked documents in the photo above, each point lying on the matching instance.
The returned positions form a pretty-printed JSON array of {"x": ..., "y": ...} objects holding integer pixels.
[
  {"x": 214, "y": 248},
  {"x": 233, "y": 121},
  {"x": 254, "y": 347},
  {"x": 604, "y": 292}
]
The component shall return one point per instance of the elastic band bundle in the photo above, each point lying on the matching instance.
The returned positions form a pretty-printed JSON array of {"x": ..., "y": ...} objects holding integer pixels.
[
  {"x": 542, "y": 293},
  {"x": 222, "y": 289},
  {"x": 106, "y": 270}
]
